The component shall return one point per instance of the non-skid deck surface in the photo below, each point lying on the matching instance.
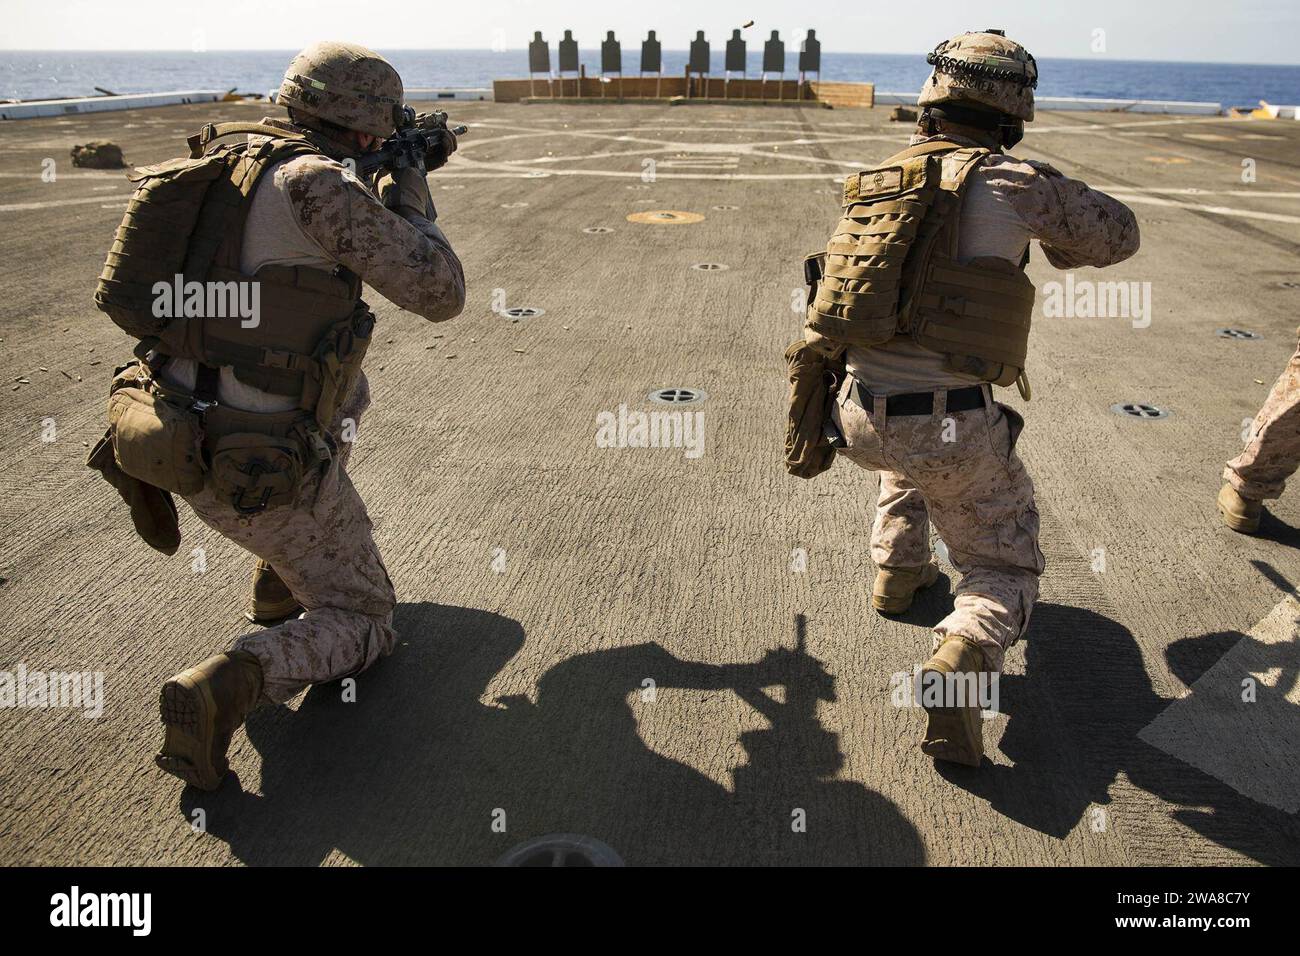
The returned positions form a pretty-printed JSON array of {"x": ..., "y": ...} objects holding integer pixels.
[{"x": 545, "y": 580}]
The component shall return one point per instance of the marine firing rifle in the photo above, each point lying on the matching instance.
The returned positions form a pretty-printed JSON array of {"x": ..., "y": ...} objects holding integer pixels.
[{"x": 408, "y": 146}]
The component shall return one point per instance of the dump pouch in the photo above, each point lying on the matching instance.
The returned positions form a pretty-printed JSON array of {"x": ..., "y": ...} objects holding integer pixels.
[
  {"x": 152, "y": 510},
  {"x": 154, "y": 440},
  {"x": 814, "y": 377}
]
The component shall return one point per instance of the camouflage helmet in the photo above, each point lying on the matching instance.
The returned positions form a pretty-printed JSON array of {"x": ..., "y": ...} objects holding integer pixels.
[
  {"x": 983, "y": 69},
  {"x": 344, "y": 84}
]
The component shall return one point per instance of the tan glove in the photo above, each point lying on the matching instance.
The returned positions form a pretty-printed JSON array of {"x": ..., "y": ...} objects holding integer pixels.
[{"x": 406, "y": 193}]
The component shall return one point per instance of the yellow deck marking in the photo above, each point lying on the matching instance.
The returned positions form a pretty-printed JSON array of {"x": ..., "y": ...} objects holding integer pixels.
[{"x": 665, "y": 217}]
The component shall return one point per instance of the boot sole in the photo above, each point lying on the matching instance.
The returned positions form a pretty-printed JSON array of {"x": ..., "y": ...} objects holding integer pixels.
[
  {"x": 954, "y": 734},
  {"x": 261, "y": 612},
  {"x": 892, "y": 604},
  {"x": 1238, "y": 523},
  {"x": 189, "y": 714}
]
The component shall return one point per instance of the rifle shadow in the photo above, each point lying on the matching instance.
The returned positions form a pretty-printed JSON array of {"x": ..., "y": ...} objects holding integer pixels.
[{"x": 413, "y": 772}]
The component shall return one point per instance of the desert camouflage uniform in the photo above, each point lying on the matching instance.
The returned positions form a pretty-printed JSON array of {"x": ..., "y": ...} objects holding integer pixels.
[
  {"x": 322, "y": 546},
  {"x": 1272, "y": 454},
  {"x": 323, "y": 549},
  {"x": 973, "y": 486}
]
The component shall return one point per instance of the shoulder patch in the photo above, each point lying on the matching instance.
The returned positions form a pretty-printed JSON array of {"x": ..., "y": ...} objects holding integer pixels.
[{"x": 880, "y": 181}]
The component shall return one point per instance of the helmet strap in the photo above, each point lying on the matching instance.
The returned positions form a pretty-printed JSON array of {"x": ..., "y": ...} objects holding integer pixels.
[
  {"x": 1009, "y": 129},
  {"x": 330, "y": 138}
]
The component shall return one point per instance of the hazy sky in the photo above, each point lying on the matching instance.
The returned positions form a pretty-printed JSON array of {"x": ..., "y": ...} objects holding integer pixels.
[{"x": 1250, "y": 31}]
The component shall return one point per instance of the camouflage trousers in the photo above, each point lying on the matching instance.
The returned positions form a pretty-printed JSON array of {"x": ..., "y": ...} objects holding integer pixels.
[
  {"x": 960, "y": 471},
  {"x": 1272, "y": 453},
  {"x": 323, "y": 549}
]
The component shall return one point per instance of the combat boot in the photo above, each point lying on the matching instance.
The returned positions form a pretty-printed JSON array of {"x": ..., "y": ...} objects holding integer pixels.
[
  {"x": 1239, "y": 514},
  {"x": 271, "y": 601},
  {"x": 955, "y": 733},
  {"x": 895, "y": 587},
  {"x": 201, "y": 709}
]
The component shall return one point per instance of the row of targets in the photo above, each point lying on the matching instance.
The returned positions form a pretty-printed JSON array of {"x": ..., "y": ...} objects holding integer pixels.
[{"x": 735, "y": 59}]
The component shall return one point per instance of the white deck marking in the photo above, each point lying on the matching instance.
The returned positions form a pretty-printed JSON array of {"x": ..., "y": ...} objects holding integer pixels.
[
  {"x": 1194, "y": 191},
  {"x": 503, "y": 171},
  {"x": 1221, "y": 161},
  {"x": 1133, "y": 124},
  {"x": 1249, "y": 746},
  {"x": 50, "y": 204},
  {"x": 35, "y": 176},
  {"x": 701, "y": 161},
  {"x": 771, "y": 149},
  {"x": 719, "y": 161},
  {"x": 1133, "y": 196}
]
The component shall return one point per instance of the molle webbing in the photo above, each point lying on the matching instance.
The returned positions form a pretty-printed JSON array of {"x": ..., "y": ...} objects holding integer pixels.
[
  {"x": 981, "y": 308},
  {"x": 312, "y": 329},
  {"x": 179, "y": 216},
  {"x": 149, "y": 246},
  {"x": 863, "y": 187},
  {"x": 863, "y": 297},
  {"x": 891, "y": 268},
  {"x": 862, "y": 272},
  {"x": 298, "y": 307},
  {"x": 198, "y": 142}
]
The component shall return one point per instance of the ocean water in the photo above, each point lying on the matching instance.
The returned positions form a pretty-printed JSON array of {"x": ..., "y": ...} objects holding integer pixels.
[{"x": 37, "y": 74}]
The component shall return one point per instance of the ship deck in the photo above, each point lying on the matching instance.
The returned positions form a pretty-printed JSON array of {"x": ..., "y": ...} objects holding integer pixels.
[{"x": 544, "y": 580}]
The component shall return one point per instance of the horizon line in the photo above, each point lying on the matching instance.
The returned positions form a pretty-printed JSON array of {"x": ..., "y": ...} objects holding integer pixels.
[{"x": 524, "y": 50}]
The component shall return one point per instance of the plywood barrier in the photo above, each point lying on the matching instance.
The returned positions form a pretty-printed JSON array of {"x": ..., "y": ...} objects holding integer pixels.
[
  {"x": 846, "y": 94},
  {"x": 651, "y": 87}
]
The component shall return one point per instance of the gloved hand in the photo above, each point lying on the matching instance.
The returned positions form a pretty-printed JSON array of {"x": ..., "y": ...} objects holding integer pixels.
[
  {"x": 406, "y": 193},
  {"x": 441, "y": 145}
]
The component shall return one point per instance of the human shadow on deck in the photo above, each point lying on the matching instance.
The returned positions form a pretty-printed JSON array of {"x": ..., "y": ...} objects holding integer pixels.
[
  {"x": 413, "y": 772},
  {"x": 1072, "y": 729}
]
